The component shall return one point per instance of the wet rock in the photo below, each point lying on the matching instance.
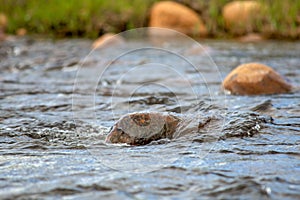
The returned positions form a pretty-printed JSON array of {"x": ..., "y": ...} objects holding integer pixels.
[
  {"x": 143, "y": 128},
  {"x": 240, "y": 16},
  {"x": 243, "y": 124},
  {"x": 255, "y": 79},
  {"x": 263, "y": 107},
  {"x": 172, "y": 15},
  {"x": 108, "y": 39}
]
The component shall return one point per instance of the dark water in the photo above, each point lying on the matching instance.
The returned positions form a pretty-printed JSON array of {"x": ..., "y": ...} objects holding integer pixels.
[{"x": 57, "y": 105}]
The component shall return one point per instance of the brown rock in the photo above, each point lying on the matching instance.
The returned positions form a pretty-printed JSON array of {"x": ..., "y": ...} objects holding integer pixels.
[
  {"x": 255, "y": 79},
  {"x": 298, "y": 19},
  {"x": 2, "y": 35},
  {"x": 21, "y": 32},
  {"x": 108, "y": 39},
  {"x": 3, "y": 24},
  {"x": 198, "y": 50},
  {"x": 143, "y": 128},
  {"x": 240, "y": 16},
  {"x": 251, "y": 37},
  {"x": 172, "y": 15},
  {"x": 3, "y": 21}
]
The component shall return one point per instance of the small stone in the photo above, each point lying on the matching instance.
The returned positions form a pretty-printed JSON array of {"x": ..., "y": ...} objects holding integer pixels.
[
  {"x": 172, "y": 15},
  {"x": 255, "y": 79},
  {"x": 3, "y": 25},
  {"x": 107, "y": 40},
  {"x": 3, "y": 21},
  {"x": 251, "y": 37},
  {"x": 21, "y": 32}
]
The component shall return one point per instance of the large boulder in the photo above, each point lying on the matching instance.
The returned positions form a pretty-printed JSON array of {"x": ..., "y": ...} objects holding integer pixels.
[
  {"x": 255, "y": 79},
  {"x": 240, "y": 16},
  {"x": 172, "y": 15}
]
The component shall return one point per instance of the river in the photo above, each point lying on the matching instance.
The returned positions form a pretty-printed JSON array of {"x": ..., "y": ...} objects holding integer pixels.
[{"x": 58, "y": 101}]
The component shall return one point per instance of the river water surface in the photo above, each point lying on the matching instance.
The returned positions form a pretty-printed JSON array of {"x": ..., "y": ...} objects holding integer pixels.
[{"x": 57, "y": 106}]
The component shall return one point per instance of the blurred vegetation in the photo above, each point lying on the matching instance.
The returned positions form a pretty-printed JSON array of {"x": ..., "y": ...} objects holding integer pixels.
[
  {"x": 281, "y": 19},
  {"x": 91, "y": 18},
  {"x": 88, "y": 18}
]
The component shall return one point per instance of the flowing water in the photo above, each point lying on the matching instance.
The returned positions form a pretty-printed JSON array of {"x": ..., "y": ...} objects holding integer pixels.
[{"x": 57, "y": 106}]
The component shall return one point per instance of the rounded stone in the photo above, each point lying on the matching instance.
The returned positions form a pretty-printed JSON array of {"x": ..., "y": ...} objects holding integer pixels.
[
  {"x": 255, "y": 79},
  {"x": 143, "y": 128},
  {"x": 3, "y": 25},
  {"x": 107, "y": 40},
  {"x": 3, "y": 21},
  {"x": 172, "y": 15},
  {"x": 240, "y": 16},
  {"x": 21, "y": 32},
  {"x": 251, "y": 37}
]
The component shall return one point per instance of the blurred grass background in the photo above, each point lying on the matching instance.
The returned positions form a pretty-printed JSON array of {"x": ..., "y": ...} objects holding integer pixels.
[{"x": 91, "y": 18}]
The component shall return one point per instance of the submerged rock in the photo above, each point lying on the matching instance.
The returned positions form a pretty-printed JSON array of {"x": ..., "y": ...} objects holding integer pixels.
[
  {"x": 240, "y": 16},
  {"x": 143, "y": 128},
  {"x": 172, "y": 15},
  {"x": 255, "y": 79}
]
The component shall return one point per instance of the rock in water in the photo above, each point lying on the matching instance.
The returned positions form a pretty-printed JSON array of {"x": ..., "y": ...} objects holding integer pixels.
[
  {"x": 143, "y": 128},
  {"x": 255, "y": 79},
  {"x": 172, "y": 15},
  {"x": 108, "y": 40},
  {"x": 251, "y": 37}
]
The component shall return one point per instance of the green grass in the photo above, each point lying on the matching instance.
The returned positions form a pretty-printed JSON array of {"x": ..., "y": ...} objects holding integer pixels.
[
  {"x": 87, "y": 18},
  {"x": 91, "y": 18},
  {"x": 283, "y": 18}
]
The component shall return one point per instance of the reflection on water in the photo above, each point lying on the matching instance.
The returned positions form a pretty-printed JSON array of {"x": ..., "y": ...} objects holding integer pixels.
[{"x": 249, "y": 150}]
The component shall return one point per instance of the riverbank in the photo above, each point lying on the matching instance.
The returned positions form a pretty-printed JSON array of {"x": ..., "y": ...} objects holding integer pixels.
[{"x": 92, "y": 18}]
